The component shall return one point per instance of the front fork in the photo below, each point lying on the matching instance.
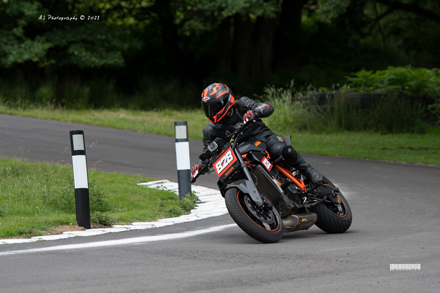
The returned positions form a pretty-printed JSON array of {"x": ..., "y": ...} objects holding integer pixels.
[{"x": 247, "y": 185}]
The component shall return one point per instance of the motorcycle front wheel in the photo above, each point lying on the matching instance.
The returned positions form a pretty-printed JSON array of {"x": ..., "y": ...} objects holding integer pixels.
[{"x": 264, "y": 225}]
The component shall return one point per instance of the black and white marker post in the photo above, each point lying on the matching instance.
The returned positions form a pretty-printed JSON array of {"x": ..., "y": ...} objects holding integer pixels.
[
  {"x": 182, "y": 158},
  {"x": 79, "y": 164}
]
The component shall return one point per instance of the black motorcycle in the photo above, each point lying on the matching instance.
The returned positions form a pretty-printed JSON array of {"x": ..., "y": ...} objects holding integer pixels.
[{"x": 267, "y": 198}]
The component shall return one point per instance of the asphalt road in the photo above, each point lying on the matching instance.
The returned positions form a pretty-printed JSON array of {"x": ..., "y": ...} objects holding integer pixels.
[{"x": 395, "y": 221}]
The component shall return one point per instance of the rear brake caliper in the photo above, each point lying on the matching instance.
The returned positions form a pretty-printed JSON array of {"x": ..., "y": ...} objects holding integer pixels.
[{"x": 334, "y": 197}]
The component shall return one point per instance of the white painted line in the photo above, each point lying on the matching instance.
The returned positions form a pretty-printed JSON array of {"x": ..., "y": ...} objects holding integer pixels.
[{"x": 125, "y": 241}]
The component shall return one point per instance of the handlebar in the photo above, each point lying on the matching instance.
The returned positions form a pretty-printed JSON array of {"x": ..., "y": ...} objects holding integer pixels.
[
  {"x": 204, "y": 167},
  {"x": 240, "y": 130}
]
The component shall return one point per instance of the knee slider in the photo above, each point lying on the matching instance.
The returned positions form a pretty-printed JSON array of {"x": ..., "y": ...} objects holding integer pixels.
[{"x": 290, "y": 154}]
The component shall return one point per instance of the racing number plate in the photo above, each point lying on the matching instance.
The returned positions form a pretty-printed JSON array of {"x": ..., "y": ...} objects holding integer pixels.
[{"x": 224, "y": 162}]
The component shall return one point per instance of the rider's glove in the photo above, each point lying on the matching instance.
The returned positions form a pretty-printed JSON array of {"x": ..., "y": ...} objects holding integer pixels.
[
  {"x": 195, "y": 171},
  {"x": 249, "y": 116}
]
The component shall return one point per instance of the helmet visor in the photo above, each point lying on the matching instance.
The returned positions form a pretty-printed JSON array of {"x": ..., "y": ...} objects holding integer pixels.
[{"x": 213, "y": 108}]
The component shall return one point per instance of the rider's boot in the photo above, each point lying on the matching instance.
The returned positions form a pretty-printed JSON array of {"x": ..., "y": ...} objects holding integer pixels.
[{"x": 298, "y": 162}]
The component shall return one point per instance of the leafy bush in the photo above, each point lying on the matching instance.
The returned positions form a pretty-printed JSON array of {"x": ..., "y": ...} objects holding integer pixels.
[
  {"x": 409, "y": 102},
  {"x": 405, "y": 80},
  {"x": 412, "y": 82},
  {"x": 388, "y": 114},
  {"x": 286, "y": 109},
  {"x": 98, "y": 200},
  {"x": 101, "y": 219},
  {"x": 435, "y": 109},
  {"x": 188, "y": 202}
]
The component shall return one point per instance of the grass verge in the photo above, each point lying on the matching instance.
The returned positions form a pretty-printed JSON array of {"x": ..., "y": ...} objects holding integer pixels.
[
  {"x": 406, "y": 148},
  {"x": 36, "y": 198},
  {"x": 156, "y": 122}
]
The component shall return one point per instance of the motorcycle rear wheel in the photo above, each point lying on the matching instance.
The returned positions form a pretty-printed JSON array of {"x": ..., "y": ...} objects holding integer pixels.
[
  {"x": 333, "y": 218},
  {"x": 264, "y": 225}
]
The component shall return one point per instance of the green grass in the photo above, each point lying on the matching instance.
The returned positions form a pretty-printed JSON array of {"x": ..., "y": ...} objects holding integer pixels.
[
  {"x": 35, "y": 198},
  {"x": 157, "y": 122},
  {"x": 407, "y": 148}
]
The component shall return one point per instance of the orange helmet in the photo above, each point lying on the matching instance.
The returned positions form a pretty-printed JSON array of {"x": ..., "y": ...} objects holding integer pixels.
[{"x": 217, "y": 100}]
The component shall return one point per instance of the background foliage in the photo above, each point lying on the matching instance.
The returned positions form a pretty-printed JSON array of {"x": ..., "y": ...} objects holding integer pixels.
[{"x": 149, "y": 54}]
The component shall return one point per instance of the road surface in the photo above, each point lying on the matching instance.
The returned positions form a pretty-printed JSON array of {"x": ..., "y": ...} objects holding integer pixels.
[{"x": 396, "y": 220}]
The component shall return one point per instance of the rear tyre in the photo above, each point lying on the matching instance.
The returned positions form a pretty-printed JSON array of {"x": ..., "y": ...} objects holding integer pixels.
[
  {"x": 333, "y": 218},
  {"x": 264, "y": 225}
]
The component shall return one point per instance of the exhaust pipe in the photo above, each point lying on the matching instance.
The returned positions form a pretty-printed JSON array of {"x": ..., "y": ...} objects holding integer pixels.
[{"x": 299, "y": 222}]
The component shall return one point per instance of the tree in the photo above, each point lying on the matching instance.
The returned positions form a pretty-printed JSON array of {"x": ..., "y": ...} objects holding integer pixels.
[
  {"x": 405, "y": 27},
  {"x": 428, "y": 9},
  {"x": 288, "y": 39},
  {"x": 15, "y": 45},
  {"x": 408, "y": 26},
  {"x": 250, "y": 22},
  {"x": 52, "y": 33},
  {"x": 170, "y": 39},
  {"x": 245, "y": 37}
]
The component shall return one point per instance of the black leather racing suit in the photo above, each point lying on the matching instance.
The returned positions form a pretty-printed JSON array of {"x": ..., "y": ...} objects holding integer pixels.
[{"x": 275, "y": 143}]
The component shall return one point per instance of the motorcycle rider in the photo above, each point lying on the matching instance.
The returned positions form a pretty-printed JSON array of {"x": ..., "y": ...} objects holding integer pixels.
[{"x": 226, "y": 114}]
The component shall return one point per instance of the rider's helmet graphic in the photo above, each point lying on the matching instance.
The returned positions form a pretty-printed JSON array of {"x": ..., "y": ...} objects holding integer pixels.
[{"x": 217, "y": 101}]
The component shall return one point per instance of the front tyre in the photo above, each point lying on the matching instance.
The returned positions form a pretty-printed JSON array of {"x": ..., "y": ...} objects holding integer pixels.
[
  {"x": 333, "y": 218},
  {"x": 264, "y": 225}
]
